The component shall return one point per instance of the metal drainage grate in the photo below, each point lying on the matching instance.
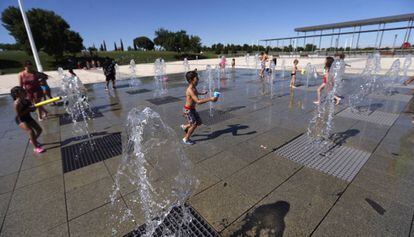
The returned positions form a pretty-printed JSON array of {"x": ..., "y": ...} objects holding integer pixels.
[
  {"x": 395, "y": 97},
  {"x": 170, "y": 226},
  {"x": 378, "y": 117},
  {"x": 86, "y": 153},
  {"x": 138, "y": 91},
  {"x": 218, "y": 116},
  {"x": 163, "y": 100},
  {"x": 339, "y": 161},
  {"x": 65, "y": 119}
]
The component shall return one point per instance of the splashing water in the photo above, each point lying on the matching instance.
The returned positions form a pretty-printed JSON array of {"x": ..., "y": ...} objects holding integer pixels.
[
  {"x": 76, "y": 104},
  {"x": 186, "y": 67},
  {"x": 272, "y": 77},
  {"x": 154, "y": 163},
  {"x": 407, "y": 64},
  {"x": 246, "y": 58},
  {"x": 159, "y": 77},
  {"x": 283, "y": 69},
  {"x": 310, "y": 72},
  {"x": 218, "y": 73},
  {"x": 210, "y": 88},
  {"x": 368, "y": 84},
  {"x": 256, "y": 62},
  {"x": 117, "y": 72},
  {"x": 391, "y": 78},
  {"x": 320, "y": 126},
  {"x": 133, "y": 82}
]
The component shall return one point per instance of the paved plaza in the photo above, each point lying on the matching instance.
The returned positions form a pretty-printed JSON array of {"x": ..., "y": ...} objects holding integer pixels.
[{"x": 258, "y": 176}]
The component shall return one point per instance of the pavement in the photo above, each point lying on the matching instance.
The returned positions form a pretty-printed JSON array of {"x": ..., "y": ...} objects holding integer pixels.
[{"x": 257, "y": 175}]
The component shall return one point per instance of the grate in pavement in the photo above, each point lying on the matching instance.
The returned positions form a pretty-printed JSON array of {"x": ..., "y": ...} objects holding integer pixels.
[
  {"x": 339, "y": 161},
  {"x": 378, "y": 117},
  {"x": 137, "y": 91},
  {"x": 394, "y": 97},
  {"x": 83, "y": 154},
  {"x": 163, "y": 100},
  {"x": 170, "y": 226},
  {"x": 65, "y": 119}
]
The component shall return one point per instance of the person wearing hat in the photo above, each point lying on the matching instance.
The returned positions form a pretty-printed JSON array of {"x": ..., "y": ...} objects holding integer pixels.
[{"x": 30, "y": 81}]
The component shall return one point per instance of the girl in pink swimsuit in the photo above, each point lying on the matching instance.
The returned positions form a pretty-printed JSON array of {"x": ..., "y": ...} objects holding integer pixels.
[
  {"x": 29, "y": 80},
  {"x": 328, "y": 64}
]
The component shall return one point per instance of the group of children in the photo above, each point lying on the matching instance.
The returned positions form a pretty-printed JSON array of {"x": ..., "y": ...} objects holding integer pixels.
[
  {"x": 33, "y": 87},
  {"x": 325, "y": 77}
]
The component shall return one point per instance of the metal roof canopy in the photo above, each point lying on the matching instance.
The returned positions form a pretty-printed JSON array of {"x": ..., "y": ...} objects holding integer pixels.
[{"x": 371, "y": 21}]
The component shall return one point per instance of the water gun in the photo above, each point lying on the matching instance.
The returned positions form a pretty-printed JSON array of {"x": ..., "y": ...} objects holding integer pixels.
[
  {"x": 216, "y": 94},
  {"x": 45, "y": 102},
  {"x": 303, "y": 71}
]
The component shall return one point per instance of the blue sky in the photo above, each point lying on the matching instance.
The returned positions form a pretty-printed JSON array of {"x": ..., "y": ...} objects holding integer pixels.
[{"x": 214, "y": 21}]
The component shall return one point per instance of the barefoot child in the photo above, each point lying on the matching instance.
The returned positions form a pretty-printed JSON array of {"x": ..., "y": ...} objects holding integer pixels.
[
  {"x": 191, "y": 99},
  {"x": 23, "y": 107},
  {"x": 293, "y": 74},
  {"x": 263, "y": 59},
  {"x": 328, "y": 64},
  {"x": 45, "y": 87}
]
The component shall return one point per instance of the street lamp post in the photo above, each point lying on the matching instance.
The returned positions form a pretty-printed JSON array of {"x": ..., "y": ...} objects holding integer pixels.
[{"x": 29, "y": 35}]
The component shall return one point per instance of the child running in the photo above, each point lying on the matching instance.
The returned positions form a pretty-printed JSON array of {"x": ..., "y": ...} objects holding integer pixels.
[
  {"x": 293, "y": 74},
  {"x": 24, "y": 120},
  {"x": 328, "y": 64},
  {"x": 191, "y": 99}
]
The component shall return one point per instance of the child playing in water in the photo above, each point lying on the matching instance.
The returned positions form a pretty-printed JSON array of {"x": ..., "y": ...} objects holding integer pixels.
[
  {"x": 24, "y": 120},
  {"x": 45, "y": 87},
  {"x": 293, "y": 74},
  {"x": 263, "y": 59},
  {"x": 223, "y": 62},
  {"x": 328, "y": 64},
  {"x": 191, "y": 99}
]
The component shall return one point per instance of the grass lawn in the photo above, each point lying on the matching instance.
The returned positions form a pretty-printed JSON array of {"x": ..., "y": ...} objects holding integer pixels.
[{"x": 12, "y": 61}]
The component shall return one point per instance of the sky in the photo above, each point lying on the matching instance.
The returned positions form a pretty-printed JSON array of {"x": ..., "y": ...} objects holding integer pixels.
[{"x": 215, "y": 21}]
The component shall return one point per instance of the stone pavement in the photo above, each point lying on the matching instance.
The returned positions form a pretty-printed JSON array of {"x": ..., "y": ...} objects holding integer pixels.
[{"x": 248, "y": 157}]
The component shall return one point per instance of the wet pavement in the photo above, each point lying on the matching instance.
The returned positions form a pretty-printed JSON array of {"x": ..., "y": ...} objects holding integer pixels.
[{"x": 255, "y": 175}]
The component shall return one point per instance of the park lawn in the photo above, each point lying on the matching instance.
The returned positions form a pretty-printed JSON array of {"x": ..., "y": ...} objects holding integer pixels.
[{"x": 12, "y": 61}]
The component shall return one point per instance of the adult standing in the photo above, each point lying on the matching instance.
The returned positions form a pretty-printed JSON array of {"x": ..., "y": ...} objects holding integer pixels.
[
  {"x": 29, "y": 79},
  {"x": 109, "y": 71}
]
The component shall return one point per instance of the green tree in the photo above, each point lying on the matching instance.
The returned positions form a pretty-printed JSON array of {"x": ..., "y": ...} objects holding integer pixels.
[
  {"x": 9, "y": 46},
  {"x": 195, "y": 44},
  {"x": 177, "y": 41},
  {"x": 74, "y": 42},
  {"x": 310, "y": 47},
  {"x": 143, "y": 42},
  {"x": 51, "y": 32},
  {"x": 122, "y": 45},
  {"x": 115, "y": 47},
  {"x": 104, "y": 46}
]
